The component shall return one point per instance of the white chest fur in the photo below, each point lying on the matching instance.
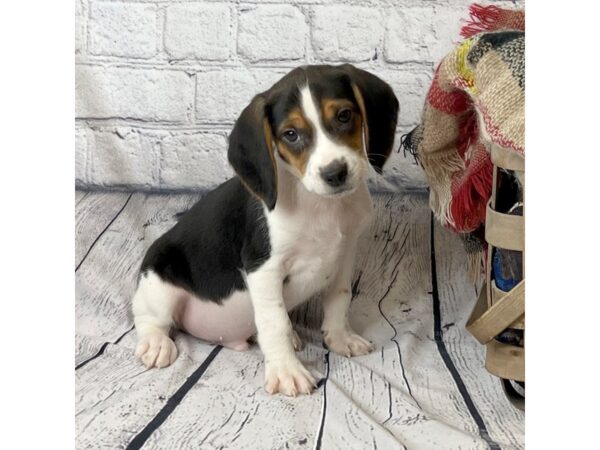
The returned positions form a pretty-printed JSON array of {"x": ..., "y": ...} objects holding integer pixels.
[{"x": 309, "y": 235}]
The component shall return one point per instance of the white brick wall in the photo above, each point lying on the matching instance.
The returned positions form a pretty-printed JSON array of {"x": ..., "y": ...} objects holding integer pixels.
[
  {"x": 138, "y": 94},
  {"x": 272, "y": 33},
  {"x": 198, "y": 31},
  {"x": 127, "y": 32},
  {"x": 159, "y": 83}
]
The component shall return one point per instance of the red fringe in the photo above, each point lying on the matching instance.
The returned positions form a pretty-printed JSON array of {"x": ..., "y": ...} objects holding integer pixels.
[
  {"x": 470, "y": 196},
  {"x": 492, "y": 18},
  {"x": 482, "y": 18}
]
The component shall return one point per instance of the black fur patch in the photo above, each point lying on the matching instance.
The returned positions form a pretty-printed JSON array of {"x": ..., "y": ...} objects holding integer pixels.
[{"x": 223, "y": 233}]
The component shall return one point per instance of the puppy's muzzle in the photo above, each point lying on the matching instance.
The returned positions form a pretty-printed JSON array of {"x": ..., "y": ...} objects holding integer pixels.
[{"x": 335, "y": 173}]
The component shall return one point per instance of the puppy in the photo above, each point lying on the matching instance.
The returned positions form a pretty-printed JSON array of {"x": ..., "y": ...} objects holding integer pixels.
[{"x": 282, "y": 230}]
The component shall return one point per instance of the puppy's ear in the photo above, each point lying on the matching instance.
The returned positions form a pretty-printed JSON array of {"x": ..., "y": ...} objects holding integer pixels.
[
  {"x": 251, "y": 152},
  {"x": 379, "y": 109}
]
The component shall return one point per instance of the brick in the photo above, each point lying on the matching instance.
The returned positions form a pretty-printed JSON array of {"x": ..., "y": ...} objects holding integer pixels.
[
  {"x": 447, "y": 24},
  {"x": 79, "y": 27},
  {"x": 346, "y": 33},
  {"x": 422, "y": 33},
  {"x": 265, "y": 78},
  {"x": 192, "y": 161},
  {"x": 198, "y": 31},
  {"x": 222, "y": 94},
  {"x": 155, "y": 95},
  {"x": 80, "y": 156},
  {"x": 411, "y": 88},
  {"x": 272, "y": 32},
  {"x": 123, "y": 157},
  {"x": 123, "y": 29}
]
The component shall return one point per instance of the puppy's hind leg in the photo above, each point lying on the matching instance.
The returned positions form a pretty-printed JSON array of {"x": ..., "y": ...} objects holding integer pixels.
[{"x": 154, "y": 305}]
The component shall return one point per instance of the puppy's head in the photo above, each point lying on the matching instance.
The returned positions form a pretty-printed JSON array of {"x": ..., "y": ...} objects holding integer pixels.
[{"x": 323, "y": 123}]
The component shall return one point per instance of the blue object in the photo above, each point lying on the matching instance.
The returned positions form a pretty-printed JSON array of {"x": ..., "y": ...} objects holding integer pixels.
[{"x": 506, "y": 274}]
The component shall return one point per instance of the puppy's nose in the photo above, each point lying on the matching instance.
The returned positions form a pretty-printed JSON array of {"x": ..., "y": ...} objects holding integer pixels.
[{"x": 335, "y": 173}]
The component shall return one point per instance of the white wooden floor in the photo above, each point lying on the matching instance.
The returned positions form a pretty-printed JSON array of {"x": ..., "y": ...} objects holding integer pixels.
[{"x": 423, "y": 388}]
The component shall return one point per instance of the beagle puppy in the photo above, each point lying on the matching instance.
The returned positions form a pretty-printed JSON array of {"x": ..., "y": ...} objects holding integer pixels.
[{"x": 284, "y": 229}]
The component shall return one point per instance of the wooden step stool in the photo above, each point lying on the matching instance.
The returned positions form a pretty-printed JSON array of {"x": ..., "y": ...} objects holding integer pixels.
[{"x": 497, "y": 310}]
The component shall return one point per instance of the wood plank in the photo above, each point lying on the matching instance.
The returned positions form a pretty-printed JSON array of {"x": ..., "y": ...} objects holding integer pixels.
[
  {"x": 229, "y": 408},
  {"x": 392, "y": 281},
  {"x": 80, "y": 195},
  {"x": 106, "y": 280},
  {"x": 500, "y": 315},
  {"x": 400, "y": 396},
  {"x": 244, "y": 417},
  {"x": 352, "y": 419},
  {"x": 93, "y": 212},
  {"x": 355, "y": 409},
  {"x": 506, "y": 361},
  {"x": 116, "y": 396},
  {"x": 412, "y": 396},
  {"x": 504, "y": 423}
]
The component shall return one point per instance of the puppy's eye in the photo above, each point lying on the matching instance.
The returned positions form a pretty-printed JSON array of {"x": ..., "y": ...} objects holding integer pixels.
[
  {"x": 344, "y": 115},
  {"x": 290, "y": 135}
]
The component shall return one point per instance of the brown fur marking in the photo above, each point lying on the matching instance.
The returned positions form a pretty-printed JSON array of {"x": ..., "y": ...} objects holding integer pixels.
[
  {"x": 363, "y": 113},
  {"x": 296, "y": 120},
  {"x": 352, "y": 138},
  {"x": 296, "y": 159}
]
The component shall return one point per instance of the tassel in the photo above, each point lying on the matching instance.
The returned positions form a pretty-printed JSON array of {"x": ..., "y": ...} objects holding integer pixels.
[
  {"x": 475, "y": 248},
  {"x": 439, "y": 169},
  {"x": 482, "y": 19},
  {"x": 409, "y": 143},
  {"x": 470, "y": 195},
  {"x": 476, "y": 266},
  {"x": 492, "y": 18}
]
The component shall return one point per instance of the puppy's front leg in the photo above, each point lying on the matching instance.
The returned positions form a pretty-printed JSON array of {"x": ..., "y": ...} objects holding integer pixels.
[
  {"x": 283, "y": 370},
  {"x": 337, "y": 333}
]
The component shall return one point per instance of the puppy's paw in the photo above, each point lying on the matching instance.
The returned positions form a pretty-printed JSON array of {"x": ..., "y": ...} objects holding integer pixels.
[
  {"x": 289, "y": 378},
  {"x": 347, "y": 343},
  {"x": 156, "y": 350},
  {"x": 298, "y": 344}
]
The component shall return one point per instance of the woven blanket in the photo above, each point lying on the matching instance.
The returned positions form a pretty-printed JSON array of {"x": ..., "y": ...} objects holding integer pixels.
[{"x": 476, "y": 99}]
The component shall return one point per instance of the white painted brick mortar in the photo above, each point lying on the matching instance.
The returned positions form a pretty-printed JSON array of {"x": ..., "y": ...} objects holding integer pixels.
[{"x": 159, "y": 83}]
